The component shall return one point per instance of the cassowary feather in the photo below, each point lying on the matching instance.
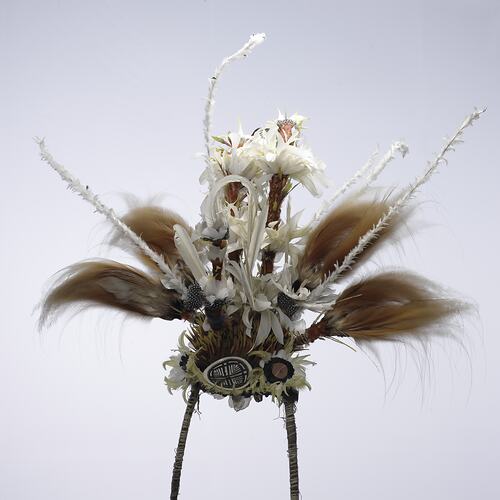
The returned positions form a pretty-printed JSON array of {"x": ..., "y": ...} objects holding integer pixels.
[
  {"x": 109, "y": 283},
  {"x": 339, "y": 231},
  {"x": 155, "y": 225},
  {"x": 390, "y": 305}
]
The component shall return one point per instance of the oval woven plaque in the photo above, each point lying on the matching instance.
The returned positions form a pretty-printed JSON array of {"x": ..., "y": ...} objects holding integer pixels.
[{"x": 229, "y": 373}]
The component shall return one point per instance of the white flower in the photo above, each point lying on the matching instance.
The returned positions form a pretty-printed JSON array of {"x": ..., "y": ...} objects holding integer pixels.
[
  {"x": 238, "y": 228},
  {"x": 299, "y": 121},
  {"x": 215, "y": 289},
  {"x": 237, "y": 159},
  {"x": 234, "y": 161},
  {"x": 315, "y": 300},
  {"x": 264, "y": 296},
  {"x": 215, "y": 232},
  {"x": 275, "y": 155},
  {"x": 269, "y": 321},
  {"x": 279, "y": 239},
  {"x": 238, "y": 403},
  {"x": 177, "y": 375}
]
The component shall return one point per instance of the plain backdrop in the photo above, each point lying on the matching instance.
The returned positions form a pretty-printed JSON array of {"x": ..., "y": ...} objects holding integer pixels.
[{"x": 118, "y": 88}]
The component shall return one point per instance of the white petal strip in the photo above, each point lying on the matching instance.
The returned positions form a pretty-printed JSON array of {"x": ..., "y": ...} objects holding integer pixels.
[
  {"x": 88, "y": 195},
  {"x": 407, "y": 195},
  {"x": 189, "y": 253},
  {"x": 257, "y": 229},
  {"x": 210, "y": 205},
  {"x": 277, "y": 329},
  {"x": 253, "y": 41},
  {"x": 235, "y": 269},
  {"x": 264, "y": 327}
]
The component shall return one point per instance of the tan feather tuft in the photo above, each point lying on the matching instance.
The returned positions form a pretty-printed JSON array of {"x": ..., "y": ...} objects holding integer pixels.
[
  {"x": 390, "y": 305},
  {"x": 109, "y": 283},
  {"x": 155, "y": 225},
  {"x": 338, "y": 233}
]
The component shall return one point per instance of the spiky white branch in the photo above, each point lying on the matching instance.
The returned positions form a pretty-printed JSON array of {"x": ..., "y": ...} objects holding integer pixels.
[
  {"x": 253, "y": 41},
  {"x": 396, "y": 147},
  {"x": 88, "y": 195},
  {"x": 347, "y": 184},
  {"x": 402, "y": 201}
]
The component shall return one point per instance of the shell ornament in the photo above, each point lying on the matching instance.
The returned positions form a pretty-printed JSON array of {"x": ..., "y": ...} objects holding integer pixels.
[{"x": 242, "y": 278}]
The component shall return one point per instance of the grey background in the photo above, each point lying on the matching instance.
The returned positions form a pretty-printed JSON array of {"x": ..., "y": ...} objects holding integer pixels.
[{"x": 117, "y": 88}]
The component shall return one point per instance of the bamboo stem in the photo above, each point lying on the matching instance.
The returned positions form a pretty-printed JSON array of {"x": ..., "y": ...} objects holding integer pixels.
[
  {"x": 181, "y": 446},
  {"x": 291, "y": 432}
]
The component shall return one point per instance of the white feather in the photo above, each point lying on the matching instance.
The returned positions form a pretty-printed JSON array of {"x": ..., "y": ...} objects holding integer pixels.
[
  {"x": 360, "y": 173},
  {"x": 407, "y": 195},
  {"x": 390, "y": 155},
  {"x": 189, "y": 253},
  {"x": 88, "y": 195},
  {"x": 244, "y": 51}
]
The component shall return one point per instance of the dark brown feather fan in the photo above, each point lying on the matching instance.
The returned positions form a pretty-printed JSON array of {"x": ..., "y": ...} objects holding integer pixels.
[
  {"x": 109, "y": 283},
  {"x": 389, "y": 305},
  {"x": 155, "y": 225},
  {"x": 338, "y": 233}
]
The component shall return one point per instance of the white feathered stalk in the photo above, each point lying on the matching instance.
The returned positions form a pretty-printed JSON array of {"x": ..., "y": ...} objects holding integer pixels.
[
  {"x": 407, "y": 195},
  {"x": 189, "y": 253},
  {"x": 88, "y": 195},
  {"x": 253, "y": 41},
  {"x": 360, "y": 173},
  {"x": 396, "y": 147}
]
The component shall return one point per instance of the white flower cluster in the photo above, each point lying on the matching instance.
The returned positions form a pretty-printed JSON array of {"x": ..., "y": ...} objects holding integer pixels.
[
  {"x": 237, "y": 228},
  {"x": 275, "y": 148}
]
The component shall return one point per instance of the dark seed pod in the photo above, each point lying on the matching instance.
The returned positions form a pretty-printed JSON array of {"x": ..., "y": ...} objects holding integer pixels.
[
  {"x": 183, "y": 361},
  {"x": 278, "y": 370},
  {"x": 288, "y": 305},
  {"x": 285, "y": 123},
  {"x": 194, "y": 297},
  {"x": 215, "y": 314}
]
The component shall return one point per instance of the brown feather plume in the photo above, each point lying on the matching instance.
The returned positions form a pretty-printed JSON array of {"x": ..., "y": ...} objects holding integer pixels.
[
  {"x": 109, "y": 283},
  {"x": 338, "y": 233},
  {"x": 389, "y": 305},
  {"x": 155, "y": 225}
]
